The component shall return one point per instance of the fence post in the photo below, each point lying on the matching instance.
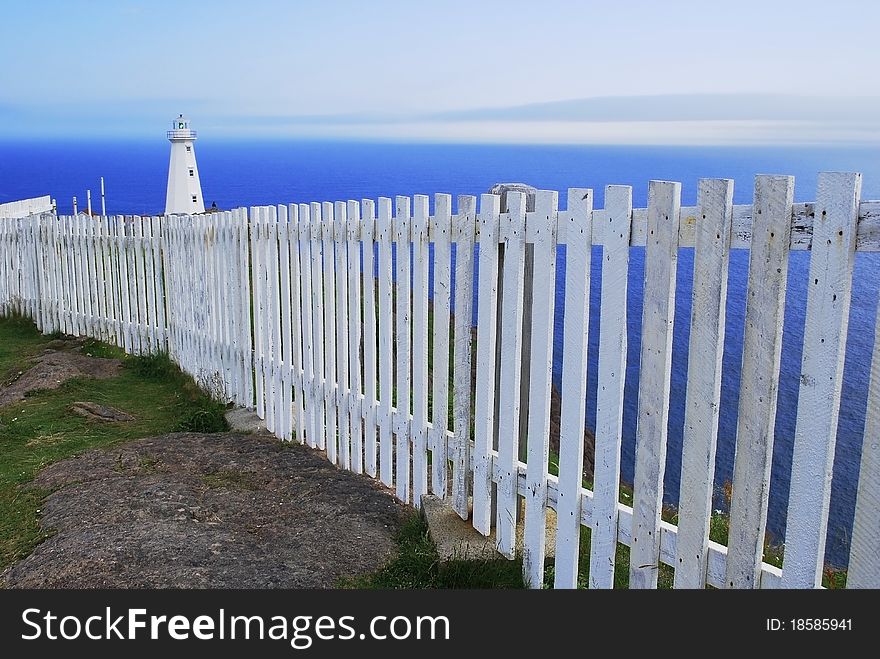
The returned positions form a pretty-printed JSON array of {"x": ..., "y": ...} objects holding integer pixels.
[{"x": 503, "y": 190}]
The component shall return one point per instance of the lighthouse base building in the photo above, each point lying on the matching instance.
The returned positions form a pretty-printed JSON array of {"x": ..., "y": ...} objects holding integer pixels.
[{"x": 184, "y": 194}]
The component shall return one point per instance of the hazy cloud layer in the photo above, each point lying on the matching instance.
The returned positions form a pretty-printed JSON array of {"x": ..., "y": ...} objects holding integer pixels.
[
  {"x": 668, "y": 119},
  {"x": 495, "y": 70}
]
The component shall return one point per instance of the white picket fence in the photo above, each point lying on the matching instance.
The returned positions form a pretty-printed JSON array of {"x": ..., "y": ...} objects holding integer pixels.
[{"x": 313, "y": 314}]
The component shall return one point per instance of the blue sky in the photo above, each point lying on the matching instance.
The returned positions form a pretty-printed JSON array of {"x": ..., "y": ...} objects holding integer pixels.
[{"x": 678, "y": 71}]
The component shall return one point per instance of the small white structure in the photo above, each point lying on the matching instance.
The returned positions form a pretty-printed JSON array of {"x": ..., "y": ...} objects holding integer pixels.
[
  {"x": 25, "y": 207},
  {"x": 184, "y": 196}
]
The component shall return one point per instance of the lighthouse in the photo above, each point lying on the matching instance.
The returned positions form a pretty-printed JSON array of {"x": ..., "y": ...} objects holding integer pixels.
[{"x": 184, "y": 195}]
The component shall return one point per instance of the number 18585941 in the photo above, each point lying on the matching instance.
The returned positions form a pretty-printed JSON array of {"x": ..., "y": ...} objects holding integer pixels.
[{"x": 809, "y": 624}]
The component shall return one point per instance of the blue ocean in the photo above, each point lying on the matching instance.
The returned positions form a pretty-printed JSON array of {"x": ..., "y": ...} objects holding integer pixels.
[{"x": 265, "y": 172}]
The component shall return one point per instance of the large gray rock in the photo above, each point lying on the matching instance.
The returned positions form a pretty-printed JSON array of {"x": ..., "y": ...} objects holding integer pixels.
[
  {"x": 504, "y": 188},
  {"x": 241, "y": 419}
]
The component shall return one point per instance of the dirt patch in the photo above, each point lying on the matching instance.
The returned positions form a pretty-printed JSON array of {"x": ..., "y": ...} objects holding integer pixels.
[
  {"x": 52, "y": 369},
  {"x": 98, "y": 412},
  {"x": 195, "y": 511}
]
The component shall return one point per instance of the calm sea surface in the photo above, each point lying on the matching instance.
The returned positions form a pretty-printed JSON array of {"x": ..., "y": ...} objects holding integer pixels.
[{"x": 261, "y": 172}]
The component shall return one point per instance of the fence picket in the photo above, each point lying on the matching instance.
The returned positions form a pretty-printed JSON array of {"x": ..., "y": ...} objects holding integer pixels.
[
  {"x": 318, "y": 334},
  {"x": 484, "y": 411},
  {"x": 136, "y": 277},
  {"x": 219, "y": 386},
  {"x": 616, "y": 222},
  {"x": 464, "y": 225},
  {"x": 226, "y": 302},
  {"x": 124, "y": 284},
  {"x": 513, "y": 234},
  {"x": 441, "y": 229},
  {"x": 274, "y": 330},
  {"x": 762, "y": 348},
  {"x": 91, "y": 255},
  {"x": 353, "y": 235},
  {"x": 711, "y": 257},
  {"x": 245, "y": 308},
  {"x": 419, "y": 430},
  {"x": 402, "y": 314},
  {"x": 343, "y": 391},
  {"x": 542, "y": 230},
  {"x": 285, "y": 395},
  {"x": 70, "y": 274},
  {"x": 368, "y": 241},
  {"x": 159, "y": 284},
  {"x": 87, "y": 269},
  {"x": 210, "y": 304},
  {"x": 831, "y": 266},
  {"x": 577, "y": 224},
  {"x": 298, "y": 324},
  {"x": 864, "y": 559},
  {"x": 309, "y": 360},
  {"x": 258, "y": 285},
  {"x": 139, "y": 253},
  {"x": 73, "y": 267},
  {"x": 149, "y": 285},
  {"x": 109, "y": 280},
  {"x": 655, "y": 369},
  {"x": 330, "y": 330},
  {"x": 166, "y": 255},
  {"x": 386, "y": 391},
  {"x": 47, "y": 263}
]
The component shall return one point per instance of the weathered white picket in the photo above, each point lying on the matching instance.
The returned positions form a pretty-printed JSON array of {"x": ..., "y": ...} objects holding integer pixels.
[
  {"x": 864, "y": 562},
  {"x": 419, "y": 309},
  {"x": 402, "y": 344},
  {"x": 542, "y": 232},
  {"x": 386, "y": 390},
  {"x": 831, "y": 268},
  {"x": 353, "y": 400},
  {"x": 330, "y": 440},
  {"x": 368, "y": 411},
  {"x": 578, "y": 257},
  {"x": 616, "y": 222},
  {"x": 485, "y": 393},
  {"x": 762, "y": 348},
  {"x": 655, "y": 369},
  {"x": 464, "y": 225},
  {"x": 321, "y": 317},
  {"x": 441, "y": 233},
  {"x": 711, "y": 256},
  {"x": 513, "y": 236},
  {"x": 343, "y": 391},
  {"x": 319, "y": 382}
]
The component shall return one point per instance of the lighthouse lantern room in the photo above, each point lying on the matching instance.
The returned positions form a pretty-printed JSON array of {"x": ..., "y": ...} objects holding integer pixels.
[{"x": 184, "y": 195}]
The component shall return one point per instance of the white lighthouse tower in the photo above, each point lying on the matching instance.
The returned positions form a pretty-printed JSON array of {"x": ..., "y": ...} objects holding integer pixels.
[{"x": 184, "y": 196}]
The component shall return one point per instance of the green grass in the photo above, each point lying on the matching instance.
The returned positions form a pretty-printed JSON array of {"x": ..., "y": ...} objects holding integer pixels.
[
  {"x": 19, "y": 343},
  {"x": 417, "y": 565},
  {"x": 40, "y": 430}
]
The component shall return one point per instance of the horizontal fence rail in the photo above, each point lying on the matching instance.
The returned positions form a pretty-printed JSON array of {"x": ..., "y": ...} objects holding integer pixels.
[{"x": 323, "y": 318}]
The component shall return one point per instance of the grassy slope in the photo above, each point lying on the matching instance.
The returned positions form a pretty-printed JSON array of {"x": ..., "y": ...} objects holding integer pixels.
[{"x": 40, "y": 430}]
